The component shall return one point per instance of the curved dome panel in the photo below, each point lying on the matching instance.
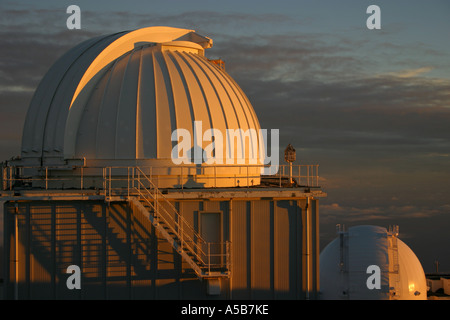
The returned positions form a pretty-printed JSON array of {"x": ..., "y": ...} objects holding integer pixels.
[
  {"x": 47, "y": 113},
  {"x": 412, "y": 277}
]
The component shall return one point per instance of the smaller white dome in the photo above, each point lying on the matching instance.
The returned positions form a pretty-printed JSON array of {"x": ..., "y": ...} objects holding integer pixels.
[{"x": 345, "y": 261}]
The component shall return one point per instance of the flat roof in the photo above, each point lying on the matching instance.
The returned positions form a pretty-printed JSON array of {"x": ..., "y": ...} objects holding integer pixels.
[{"x": 171, "y": 194}]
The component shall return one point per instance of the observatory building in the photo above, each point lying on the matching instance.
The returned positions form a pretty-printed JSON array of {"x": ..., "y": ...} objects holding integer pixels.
[
  {"x": 350, "y": 263},
  {"x": 144, "y": 167}
]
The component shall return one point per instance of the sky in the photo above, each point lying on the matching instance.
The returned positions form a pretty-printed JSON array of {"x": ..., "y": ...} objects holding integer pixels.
[{"x": 371, "y": 107}]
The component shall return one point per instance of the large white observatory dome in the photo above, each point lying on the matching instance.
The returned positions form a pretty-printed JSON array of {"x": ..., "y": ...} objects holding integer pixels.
[
  {"x": 116, "y": 100},
  {"x": 345, "y": 262}
]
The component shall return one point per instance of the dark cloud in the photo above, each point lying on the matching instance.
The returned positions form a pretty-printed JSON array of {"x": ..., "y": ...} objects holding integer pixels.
[
  {"x": 375, "y": 119},
  {"x": 309, "y": 86},
  {"x": 354, "y": 215},
  {"x": 208, "y": 21}
]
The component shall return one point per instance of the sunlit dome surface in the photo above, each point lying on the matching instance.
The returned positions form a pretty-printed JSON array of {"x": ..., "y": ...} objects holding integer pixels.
[
  {"x": 120, "y": 97},
  {"x": 343, "y": 267}
]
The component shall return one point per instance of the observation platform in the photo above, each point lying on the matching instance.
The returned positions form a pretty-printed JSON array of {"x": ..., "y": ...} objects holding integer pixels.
[{"x": 304, "y": 182}]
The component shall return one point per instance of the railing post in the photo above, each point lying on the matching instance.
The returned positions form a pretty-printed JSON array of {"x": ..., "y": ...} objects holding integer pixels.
[
  {"x": 280, "y": 175},
  {"x": 128, "y": 182},
  {"x": 317, "y": 175},
  {"x": 307, "y": 170},
  {"x": 46, "y": 178},
  {"x": 10, "y": 178},
  {"x": 247, "y": 177},
  {"x": 156, "y": 203},
  {"x": 109, "y": 190},
  {"x": 209, "y": 258},
  {"x": 104, "y": 180},
  {"x": 181, "y": 231},
  {"x": 227, "y": 255},
  {"x": 290, "y": 173},
  {"x": 4, "y": 178},
  {"x": 81, "y": 178}
]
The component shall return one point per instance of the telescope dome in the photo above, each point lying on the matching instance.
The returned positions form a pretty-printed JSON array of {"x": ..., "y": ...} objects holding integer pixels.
[
  {"x": 346, "y": 267},
  {"x": 124, "y": 98}
]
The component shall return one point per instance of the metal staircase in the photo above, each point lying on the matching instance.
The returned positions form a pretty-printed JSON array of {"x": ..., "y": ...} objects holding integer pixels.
[{"x": 208, "y": 260}]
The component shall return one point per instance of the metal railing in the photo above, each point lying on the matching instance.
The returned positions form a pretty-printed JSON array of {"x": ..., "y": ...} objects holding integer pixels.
[
  {"x": 48, "y": 177},
  {"x": 143, "y": 183}
]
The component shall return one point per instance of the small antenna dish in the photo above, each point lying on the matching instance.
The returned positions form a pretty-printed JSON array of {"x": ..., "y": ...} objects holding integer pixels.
[{"x": 289, "y": 156}]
